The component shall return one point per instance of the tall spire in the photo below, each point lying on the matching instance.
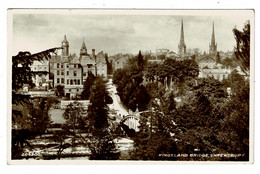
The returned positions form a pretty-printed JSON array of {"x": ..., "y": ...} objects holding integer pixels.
[
  {"x": 83, "y": 45},
  {"x": 213, "y": 44},
  {"x": 182, "y": 46},
  {"x": 213, "y": 36},
  {"x": 65, "y": 39},
  {"x": 182, "y": 33}
]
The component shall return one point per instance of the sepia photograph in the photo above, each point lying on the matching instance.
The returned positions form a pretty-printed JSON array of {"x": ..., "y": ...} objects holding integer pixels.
[{"x": 131, "y": 85}]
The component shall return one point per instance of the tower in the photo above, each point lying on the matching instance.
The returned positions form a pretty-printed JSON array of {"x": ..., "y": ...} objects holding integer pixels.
[
  {"x": 213, "y": 45},
  {"x": 83, "y": 49},
  {"x": 65, "y": 47},
  {"x": 182, "y": 45}
]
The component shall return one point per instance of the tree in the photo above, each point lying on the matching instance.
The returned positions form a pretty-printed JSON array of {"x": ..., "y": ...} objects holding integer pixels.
[
  {"x": 75, "y": 117},
  {"x": 140, "y": 60},
  {"x": 129, "y": 83},
  {"x": 218, "y": 58},
  {"x": 109, "y": 65},
  {"x": 234, "y": 132},
  {"x": 102, "y": 145},
  {"x": 22, "y": 75},
  {"x": 98, "y": 110},
  {"x": 76, "y": 121},
  {"x": 87, "y": 85},
  {"x": 153, "y": 138},
  {"x": 59, "y": 90},
  {"x": 242, "y": 48}
]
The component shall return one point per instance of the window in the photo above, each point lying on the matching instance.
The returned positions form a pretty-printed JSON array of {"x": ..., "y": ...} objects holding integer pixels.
[
  {"x": 45, "y": 68},
  {"x": 78, "y": 82},
  {"x": 68, "y": 73},
  {"x": 71, "y": 82},
  {"x": 77, "y": 90},
  {"x": 58, "y": 65},
  {"x": 75, "y": 73},
  {"x": 75, "y": 81},
  {"x": 58, "y": 72},
  {"x": 62, "y": 72},
  {"x": 40, "y": 67},
  {"x": 69, "y": 90},
  {"x": 68, "y": 66},
  {"x": 68, "y": 81},
  {"x": 58, "y": 80},
  {"x": 75, "y": 65},
  {"x": 84, "y": 74},
  {"x": 62, "y": 80},
  {"x": 62, "y": 65}
]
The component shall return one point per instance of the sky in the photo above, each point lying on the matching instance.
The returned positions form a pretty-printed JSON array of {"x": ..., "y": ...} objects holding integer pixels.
[{"x": 124, "y": 32}]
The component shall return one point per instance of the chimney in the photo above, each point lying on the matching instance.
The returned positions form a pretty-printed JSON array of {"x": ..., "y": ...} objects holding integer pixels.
[{"x": 93, "y": 52}]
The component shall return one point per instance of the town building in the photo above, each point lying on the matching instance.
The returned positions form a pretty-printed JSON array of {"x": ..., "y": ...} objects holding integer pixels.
[
  {"x": 120, "y": 61},
  {"x": 206, "y": 61},
  {"x": 72, "y": 71},
  {"x": 41, "y": 79},
  {"x": 217, "y": 73},
  {"x": 101, "y": 64}
]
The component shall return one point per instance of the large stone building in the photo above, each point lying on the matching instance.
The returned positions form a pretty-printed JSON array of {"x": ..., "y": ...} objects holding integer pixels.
[{"x": 71, "y": 71}]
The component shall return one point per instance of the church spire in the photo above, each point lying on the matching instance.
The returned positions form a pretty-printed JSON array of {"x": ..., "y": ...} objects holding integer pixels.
[
  {"x": 182, "y": 46},
  {"x": 182, "y": 33},
  {"x": 65, "y": 38},
  {"x": 83, "y": 50},
  {"x": 213, "y": 44},
  {"x": 83, "y": 45},
  {"x": 213, "y": 36}
]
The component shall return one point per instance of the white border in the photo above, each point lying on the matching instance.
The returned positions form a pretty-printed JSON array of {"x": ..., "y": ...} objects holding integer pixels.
[
  {"x": 165, "y": 4},
  {"x": 233, "y": 13}
]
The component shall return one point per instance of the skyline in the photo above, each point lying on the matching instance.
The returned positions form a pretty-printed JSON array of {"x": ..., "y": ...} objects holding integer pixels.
[{"x": 113, "y": 33}]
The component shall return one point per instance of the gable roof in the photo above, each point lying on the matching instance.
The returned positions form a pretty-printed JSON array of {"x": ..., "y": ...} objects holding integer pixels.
[{"x": 206, "y": 58}]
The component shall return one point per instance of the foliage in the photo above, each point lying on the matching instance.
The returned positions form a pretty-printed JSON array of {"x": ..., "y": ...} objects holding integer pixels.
[
  {"x": 229, "y": 62},
  {"x": 59, "y": 90},
  {"x": 109, "y": 65},
  {"x": 21, "y": 71},
  {"x": 218, "y": 58},
  {"x": 234, "y": 134},
  {"x": 22, "y": 75},
  {"x": 101, "y": 146},
  {"x": 98, "y": 109},
  {"x": 87, "y": 85},
  {"x": 129, "y": 83},
  {"x": 75, "y": 117},
  {"x": 178, "y": 71},
  {"x": 242, "y": 49},
  {"x": 153, "y": 139}
]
